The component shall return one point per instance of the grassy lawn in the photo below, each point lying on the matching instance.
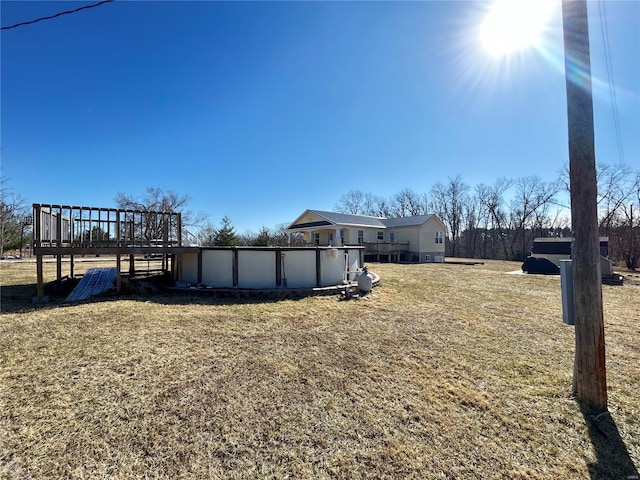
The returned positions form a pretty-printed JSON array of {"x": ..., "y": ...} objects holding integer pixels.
[{"x": 444, "y": 371}]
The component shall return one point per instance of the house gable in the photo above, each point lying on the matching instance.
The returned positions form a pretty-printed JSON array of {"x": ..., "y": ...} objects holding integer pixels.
[
  {"x": 319, "y": 218},
  {"x": 349, "y": 220},
  {"x": 309, "y": 219}
]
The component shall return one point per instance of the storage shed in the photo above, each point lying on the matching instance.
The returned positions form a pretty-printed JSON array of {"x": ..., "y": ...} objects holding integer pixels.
[{"x": 559, "y": 248}]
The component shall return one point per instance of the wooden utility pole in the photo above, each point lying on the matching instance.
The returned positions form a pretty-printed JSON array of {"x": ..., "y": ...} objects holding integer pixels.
[{"x": 590, "y": 370}]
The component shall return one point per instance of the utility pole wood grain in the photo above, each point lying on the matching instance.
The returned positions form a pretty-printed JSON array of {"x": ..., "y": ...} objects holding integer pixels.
[{"x": 590, "y": 381}]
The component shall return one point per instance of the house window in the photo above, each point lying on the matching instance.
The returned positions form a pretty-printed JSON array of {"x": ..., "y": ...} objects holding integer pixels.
[
  {"x": 427, "y": 258},
  {"x": 380, "y": 235},
  {"x": 316, "y": 238},
  {"x": 360, "y": 236},
  {"x": 330, "y": 238},
  {"x": 392, "y": 236},
  {"x": 439, "y": 236}
]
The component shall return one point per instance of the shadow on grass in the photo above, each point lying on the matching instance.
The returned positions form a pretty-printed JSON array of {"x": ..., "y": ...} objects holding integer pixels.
[
  {"x": 612, "y": 457},
  {"x": 18, "y": 298}
]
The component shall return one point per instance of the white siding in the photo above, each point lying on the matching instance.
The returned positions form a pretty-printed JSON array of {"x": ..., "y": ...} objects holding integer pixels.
[{"x": 428, "y": 237}]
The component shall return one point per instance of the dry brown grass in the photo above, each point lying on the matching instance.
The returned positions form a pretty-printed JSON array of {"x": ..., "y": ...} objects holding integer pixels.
[{"x": 445, "y": 371}]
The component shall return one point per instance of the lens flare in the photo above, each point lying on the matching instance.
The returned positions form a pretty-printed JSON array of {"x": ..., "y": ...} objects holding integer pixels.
[{"x": 513, "y": 25}]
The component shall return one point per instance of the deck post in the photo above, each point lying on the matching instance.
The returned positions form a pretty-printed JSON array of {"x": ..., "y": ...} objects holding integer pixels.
[
  {"x": 179, "y": 232},
  {"x": 165, "y": 243},
  {"x": 35, "y": 246},
  {"x": 118, "y": 278},
  {"x": 81, "y": 230},
  {"x": 40, "y": 277},
  {"x": 59, "y": 244},
  {"x": 118, "y": 227}
]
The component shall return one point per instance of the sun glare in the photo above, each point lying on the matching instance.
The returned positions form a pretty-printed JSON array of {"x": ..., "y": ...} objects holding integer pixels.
[{"x": 513, "y": 25}]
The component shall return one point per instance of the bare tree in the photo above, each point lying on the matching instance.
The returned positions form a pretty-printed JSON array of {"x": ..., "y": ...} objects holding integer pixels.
[
  {"x": 618, "y": 207},
  {"x": 351, "y": 202},
  {"x": 491, "y": 197},
  {"x": 625, "y": 225},
  {"x": 207, "y": 234},
  {"x": 531, "y": 195},
  {"x": 473, "y": 213},
  {"x": 383, "y": 208},
  {"x": 407, "y": 203},
  {"x": 281, "y": 237},
  {"x": 155, "y": 199},
  {"x": 356, "y": 202},
  {"x": 375, "y": 206},
  {"x": 13, "y": 211},
  {"x": 164, "y": 201},
  {"x": 448, "y": 202},
  {"x": 400, "y": 203},
  {"x": 616, "y": 185}
]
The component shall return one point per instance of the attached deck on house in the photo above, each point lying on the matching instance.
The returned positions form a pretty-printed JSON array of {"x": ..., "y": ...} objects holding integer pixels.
[
  {"x": 375, "y": 251},
  {"x": 385, "y": 251}
]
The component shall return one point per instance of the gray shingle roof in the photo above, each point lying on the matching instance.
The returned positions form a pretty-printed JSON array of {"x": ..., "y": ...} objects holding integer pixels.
[
  {"x": 336, "y": 218},
  {"x": 416, "y": 220},
  {"x": 346, "y": 218}
]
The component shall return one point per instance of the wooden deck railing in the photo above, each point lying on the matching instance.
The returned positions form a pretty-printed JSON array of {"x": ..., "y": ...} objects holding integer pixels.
[{"x": 385, "y": 247}]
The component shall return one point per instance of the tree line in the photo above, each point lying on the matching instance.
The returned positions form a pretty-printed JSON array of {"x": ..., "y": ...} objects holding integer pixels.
[
  {"x": 500, "y": 220},
  {"x": 14, "y": 219}
]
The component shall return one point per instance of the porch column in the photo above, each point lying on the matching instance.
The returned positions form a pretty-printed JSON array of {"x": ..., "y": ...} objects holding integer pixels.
[{"x": 338, "y": 240}]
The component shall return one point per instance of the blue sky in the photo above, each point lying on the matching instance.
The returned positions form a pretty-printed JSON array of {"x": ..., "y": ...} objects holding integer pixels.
[{"x": 259, "y": 110}]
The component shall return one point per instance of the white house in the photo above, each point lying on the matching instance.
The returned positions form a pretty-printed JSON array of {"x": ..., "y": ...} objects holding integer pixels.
[{"x": 418, "y": 238}]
